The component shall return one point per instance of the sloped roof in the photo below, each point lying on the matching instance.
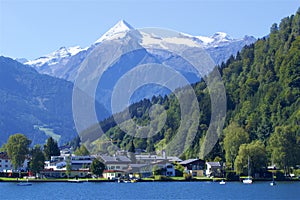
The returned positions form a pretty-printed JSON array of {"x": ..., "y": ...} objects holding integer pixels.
[
  {"x": 188, "y": 161},
  {"x": 115, "y": 159},
  {"x": 214, "y": 164}
]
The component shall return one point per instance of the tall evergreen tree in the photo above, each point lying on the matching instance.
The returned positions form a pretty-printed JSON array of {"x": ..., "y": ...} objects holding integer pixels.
[
  {"x": 51, "y": 148},
  {"x": 131, "y": 147},
  {"x": 38, "y": 159}
]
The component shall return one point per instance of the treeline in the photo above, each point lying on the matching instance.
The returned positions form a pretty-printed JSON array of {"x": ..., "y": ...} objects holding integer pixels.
[{"x": 263, "y": 107}]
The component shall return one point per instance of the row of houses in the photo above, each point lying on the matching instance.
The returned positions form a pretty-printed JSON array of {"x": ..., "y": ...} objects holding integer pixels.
[{"x": 120, "y": 166}]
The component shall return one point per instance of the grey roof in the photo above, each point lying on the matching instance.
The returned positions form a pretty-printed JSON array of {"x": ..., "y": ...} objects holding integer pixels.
[
  {"x": 156, "y": 157},
  {"x": 115, "y": 159},
  {"x": 188, "y": 161},
  {"x": 138, "y": 165},
  {"x": 214, "y": 164},
  {"x": 174, "y": 159}
]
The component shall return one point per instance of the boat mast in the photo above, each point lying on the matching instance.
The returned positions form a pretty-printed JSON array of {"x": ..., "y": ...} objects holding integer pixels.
[{"x": 248, "y": 166}]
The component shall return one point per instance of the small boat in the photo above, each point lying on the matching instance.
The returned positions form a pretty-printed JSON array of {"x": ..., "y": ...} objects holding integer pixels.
[
  {"x": 273, "y": 183},
  {"x": 24, "y": 183},
  {"x": 222, "y": 182},
  {"x": 248, "y": 180}
]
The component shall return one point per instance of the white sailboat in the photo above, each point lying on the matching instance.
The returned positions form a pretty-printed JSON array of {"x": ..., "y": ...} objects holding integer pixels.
[
  {"x": 222, "y": 182},
  {"x": 273, "y": 183},
  {"x": 248, "y": 180}
]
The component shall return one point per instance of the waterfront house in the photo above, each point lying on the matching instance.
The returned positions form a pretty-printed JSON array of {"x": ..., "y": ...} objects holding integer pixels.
[
  {"x": 140, "y": 170},
  {"x": 195, "y": 166},
  {"x": 7, "y": 166},
  {"x": 115, "y": 162},
  {"x": 116, "y": 166},
  {"x": 168, "y": 168},
  {"x": 56, "y": 166},
  {"x": 213, "y": 169},
  {"x": 5, "y": 163},
  {"x": 112, "y": 174},
  {"x": 76, "y": 162}
]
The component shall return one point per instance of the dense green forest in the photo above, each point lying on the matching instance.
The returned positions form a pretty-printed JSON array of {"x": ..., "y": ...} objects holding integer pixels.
[{"x": 263, "y": 107}]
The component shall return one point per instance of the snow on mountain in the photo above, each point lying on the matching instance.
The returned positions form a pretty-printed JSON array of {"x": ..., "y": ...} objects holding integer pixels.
[
  {"x": 56, "y": 56},
  {"x": 117, "y": 31},
  {"x": 65, "y": 62},
  {"x": 149, "y": 40},
  {"x": 216, "y": 40}
]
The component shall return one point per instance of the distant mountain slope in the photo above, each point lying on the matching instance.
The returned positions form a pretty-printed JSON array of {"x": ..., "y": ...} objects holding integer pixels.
[{"x": 34, "y": 104}]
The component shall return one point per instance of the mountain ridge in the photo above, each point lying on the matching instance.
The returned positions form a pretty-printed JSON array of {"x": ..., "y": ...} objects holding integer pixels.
[{"x": 58, "y": 63}]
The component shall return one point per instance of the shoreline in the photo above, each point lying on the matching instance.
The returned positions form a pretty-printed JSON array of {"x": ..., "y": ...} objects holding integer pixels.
[{"x": 143, "y": 180}]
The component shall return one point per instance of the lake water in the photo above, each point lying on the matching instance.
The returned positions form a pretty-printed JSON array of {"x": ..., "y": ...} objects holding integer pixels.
[{"x": 151, "y": 190}]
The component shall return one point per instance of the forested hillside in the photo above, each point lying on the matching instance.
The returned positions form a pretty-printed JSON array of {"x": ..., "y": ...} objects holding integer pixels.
[{"x": 263, "y": 106}]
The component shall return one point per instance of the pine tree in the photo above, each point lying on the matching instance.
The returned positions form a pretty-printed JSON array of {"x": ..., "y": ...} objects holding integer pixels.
[{"x": 51, "y": 148}]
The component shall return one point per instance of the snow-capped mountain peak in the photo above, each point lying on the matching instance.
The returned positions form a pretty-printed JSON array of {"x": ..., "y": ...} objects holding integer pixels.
[
  {"x": 116, "y": 31},
  {"x": 221, "y": 36},
  {"x": 56, "y": 56}
]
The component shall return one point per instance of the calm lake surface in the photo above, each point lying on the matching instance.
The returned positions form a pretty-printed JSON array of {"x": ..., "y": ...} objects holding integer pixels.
[{"x": 151, "y": 190}]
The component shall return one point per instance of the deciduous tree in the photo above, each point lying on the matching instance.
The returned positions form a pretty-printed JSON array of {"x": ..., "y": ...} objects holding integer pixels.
[
  {"x": 257, "y": 155},
  {"x": 284, "y": 147},
  {"x": 97, "y": 167},
  {"x": 235, "y": 136},
  {"x": 17, "y": 149}
]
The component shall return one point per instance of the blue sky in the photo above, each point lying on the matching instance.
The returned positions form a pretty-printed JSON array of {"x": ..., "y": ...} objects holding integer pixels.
[{"x": 32, "y": 28}]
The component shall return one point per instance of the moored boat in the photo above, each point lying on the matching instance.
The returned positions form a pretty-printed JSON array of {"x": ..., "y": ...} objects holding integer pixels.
[
  {"x": 248, "y": 180},
  {"x": 222, "y": 182}
]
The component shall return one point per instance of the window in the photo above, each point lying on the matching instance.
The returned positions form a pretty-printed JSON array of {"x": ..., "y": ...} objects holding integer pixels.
[
  {"x": 6, "y": 160},
  {"x": 117, "y": 167},
  {"x": 0, "y": 165},
  {"x": 6, "y": 165}
]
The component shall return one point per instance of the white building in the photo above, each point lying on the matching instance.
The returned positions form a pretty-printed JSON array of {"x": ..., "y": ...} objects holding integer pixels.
[
  {"x": 116, "y": 166},
  {"x": 77, "y": 162},
  {"x": 5, "y": 163},
  {"x": 213, "y": 169},
  {"x": 7, "y": 166}
]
